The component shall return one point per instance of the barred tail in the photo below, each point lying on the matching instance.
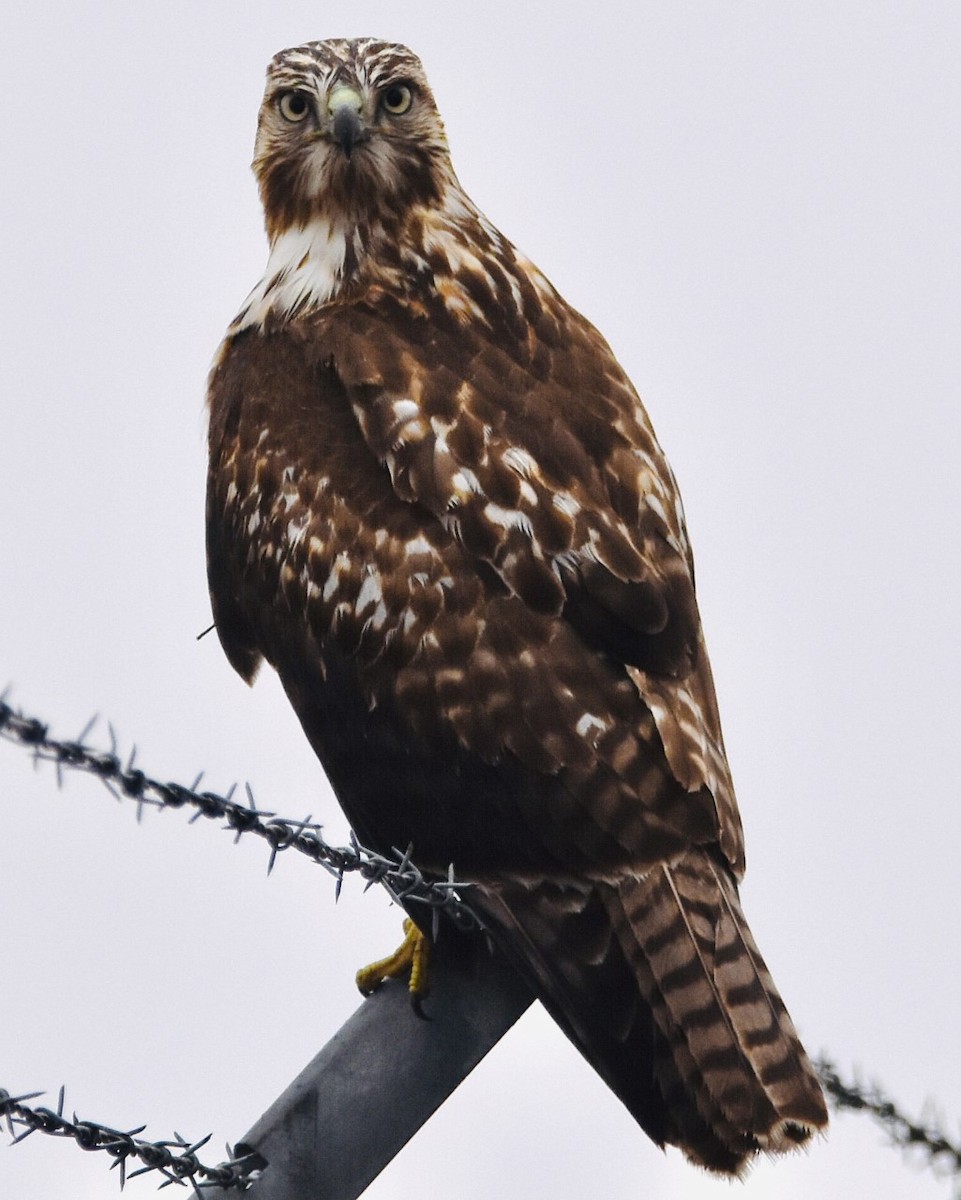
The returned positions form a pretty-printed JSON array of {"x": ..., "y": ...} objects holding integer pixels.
[
  {"x": 734, "y": 1076},
  {"x": 659, "y": 984}
]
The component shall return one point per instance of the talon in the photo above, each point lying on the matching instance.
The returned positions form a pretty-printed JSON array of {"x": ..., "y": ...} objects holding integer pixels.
[
  {"x": 412, "y": 955},
  {"x": 417, "y": 1007}
]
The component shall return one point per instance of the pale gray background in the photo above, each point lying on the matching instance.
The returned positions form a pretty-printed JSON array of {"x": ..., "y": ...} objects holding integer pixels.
[{"x": 758, "y": 205}]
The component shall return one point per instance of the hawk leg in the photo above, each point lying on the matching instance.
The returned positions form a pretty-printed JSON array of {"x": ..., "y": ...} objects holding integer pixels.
[{"x": 412, "y": 955}]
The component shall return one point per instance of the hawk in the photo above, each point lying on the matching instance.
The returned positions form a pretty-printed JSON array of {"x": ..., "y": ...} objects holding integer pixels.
[{"x": 436, "y": 506}]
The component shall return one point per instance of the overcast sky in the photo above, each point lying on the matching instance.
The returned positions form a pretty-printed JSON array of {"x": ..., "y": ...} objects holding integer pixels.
[{"x": 758, "y": 204}]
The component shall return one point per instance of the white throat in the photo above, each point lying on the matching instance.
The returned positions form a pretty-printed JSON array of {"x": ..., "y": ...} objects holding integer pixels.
[{"x": 304, "y": 270}]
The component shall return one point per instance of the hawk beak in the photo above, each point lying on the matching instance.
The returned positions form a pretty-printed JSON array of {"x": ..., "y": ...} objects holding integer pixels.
[{"x": 345, "y": 106}]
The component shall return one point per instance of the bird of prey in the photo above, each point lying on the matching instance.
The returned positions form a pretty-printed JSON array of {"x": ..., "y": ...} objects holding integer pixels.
[{"x": 436, "y": 506}]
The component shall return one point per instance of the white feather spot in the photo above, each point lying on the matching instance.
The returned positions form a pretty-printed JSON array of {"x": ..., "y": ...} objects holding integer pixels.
[
  {"x": 332, "y": 582},
  {"x": 566, "y": 503},
  {"x": 418, "y": 545},
  {"x": 370, "y": 592},
  {"x": 567, "y": 560},
  {"x": 654, "y": 504},
  {"x": 295, "y": 531},
  {"x": 405, "y": 410},
  {"x": 379, "y": 618},
  {"x": 441, "y": 428},
  {"x": 520, "y": 461},
  {"x": 509, "y": 518},
  {"x": 589, "y": 723},
  {"x": 466, "y": 484},
  {"x": 414, "y": 430}
]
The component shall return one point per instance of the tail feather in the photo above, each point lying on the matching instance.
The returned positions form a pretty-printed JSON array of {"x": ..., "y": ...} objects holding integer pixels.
[
  {"x": 658, "y": 982},
  {"x": 732, "y": 1041}
]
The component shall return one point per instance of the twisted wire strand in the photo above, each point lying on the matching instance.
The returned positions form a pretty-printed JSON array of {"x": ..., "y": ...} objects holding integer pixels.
[
  {"x": 125, "y": 781},
  {"x": 928, "y": 1137},
  {"x": 174, "y": 1158}
]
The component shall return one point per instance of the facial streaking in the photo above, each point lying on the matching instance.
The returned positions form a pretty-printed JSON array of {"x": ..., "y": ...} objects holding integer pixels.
[
  {"x": 348, "y": 131},
  {"x": 359, "y": 192}
]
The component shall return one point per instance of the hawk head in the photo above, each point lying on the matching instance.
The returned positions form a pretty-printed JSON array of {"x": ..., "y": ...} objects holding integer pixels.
[{"x": 348, "y": 134}]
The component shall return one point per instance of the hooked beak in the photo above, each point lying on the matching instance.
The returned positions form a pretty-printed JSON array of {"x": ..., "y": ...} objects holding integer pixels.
[{"x": 346, "y": 124}]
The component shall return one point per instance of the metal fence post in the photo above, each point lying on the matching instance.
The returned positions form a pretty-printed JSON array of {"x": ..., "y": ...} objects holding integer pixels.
[{"x": 382, "y": 1075}]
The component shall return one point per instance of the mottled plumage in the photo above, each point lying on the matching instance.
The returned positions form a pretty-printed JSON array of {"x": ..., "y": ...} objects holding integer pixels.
[{"x": 437, "y": 507}]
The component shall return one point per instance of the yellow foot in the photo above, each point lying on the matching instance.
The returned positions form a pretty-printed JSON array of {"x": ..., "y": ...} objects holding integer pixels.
[{"x": 413, "y": 955}]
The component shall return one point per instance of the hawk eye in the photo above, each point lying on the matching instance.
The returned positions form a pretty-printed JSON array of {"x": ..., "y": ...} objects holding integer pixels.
[
  {"x": 293, "y": 106},
  {"x": 397, "y": 99}
]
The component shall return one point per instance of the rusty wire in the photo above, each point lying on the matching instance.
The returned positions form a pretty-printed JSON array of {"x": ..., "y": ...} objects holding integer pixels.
[
  {"x": 126, "y": 781},
  {"x": 174, "y": 1158}
]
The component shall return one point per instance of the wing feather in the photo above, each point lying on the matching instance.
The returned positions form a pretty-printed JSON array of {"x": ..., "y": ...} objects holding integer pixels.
[{"x": 529, "y": 471}]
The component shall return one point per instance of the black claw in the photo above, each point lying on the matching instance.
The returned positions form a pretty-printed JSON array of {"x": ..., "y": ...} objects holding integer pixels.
[{"x": 417, "y": 1005}]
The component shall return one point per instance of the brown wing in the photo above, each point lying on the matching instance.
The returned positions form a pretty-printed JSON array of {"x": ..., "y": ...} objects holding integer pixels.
[
  {"x": 536, "y": 453},
  {"x": 544, "y": 465},
  {"x": 317, "y": 564}
]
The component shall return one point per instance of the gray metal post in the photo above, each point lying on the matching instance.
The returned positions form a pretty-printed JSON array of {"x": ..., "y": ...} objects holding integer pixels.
[{"x": 382, "y": 1075}]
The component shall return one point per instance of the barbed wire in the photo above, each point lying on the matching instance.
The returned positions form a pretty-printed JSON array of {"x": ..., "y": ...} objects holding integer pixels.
[
  {"x": 126, "y": 781},
  {"x": 943, "y": 1155},
  {"x": 175, "y": 1158}
]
